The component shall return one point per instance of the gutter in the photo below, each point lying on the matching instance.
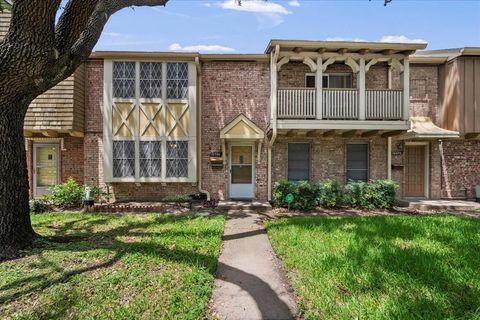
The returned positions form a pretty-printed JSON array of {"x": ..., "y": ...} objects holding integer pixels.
[
  {"x": 199, "y": 128},
  {"x": 273, "y": 116}
]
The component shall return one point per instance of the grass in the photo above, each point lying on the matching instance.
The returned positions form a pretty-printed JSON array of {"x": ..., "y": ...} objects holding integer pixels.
[
  {"x": 101, "y": 266},
  {"x": 382, "y": 267}
]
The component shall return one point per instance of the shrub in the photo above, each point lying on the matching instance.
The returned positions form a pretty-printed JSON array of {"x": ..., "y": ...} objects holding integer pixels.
[
  {"x": 177, "y": 198},
  {"x": 329, "y": 194},
  {"x": 281, "y": 189},
  {"x": 305, "y": 197},
  {"x": 374, "y": 194},
  {"x": 39, "y": 205},
  {"x": 68, "y": 194}
]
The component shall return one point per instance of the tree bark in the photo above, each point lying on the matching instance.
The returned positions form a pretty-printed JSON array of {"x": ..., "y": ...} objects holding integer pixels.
[{"x": 15, "y": 226}]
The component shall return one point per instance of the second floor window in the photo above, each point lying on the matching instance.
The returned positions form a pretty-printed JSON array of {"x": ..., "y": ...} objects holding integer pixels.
[{"x": 332, "y": 81}]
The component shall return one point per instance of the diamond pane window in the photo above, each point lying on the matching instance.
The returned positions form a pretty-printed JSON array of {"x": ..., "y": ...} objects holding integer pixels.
[
  {"x": 123, "y": 159},
  {"x": 150, "y": 80},
  {"x": 150, "y": 158},
  {"x": 123, "y": 79},
  {"x": 177, "y": 80},
  {"x": 177, "y": 159}
]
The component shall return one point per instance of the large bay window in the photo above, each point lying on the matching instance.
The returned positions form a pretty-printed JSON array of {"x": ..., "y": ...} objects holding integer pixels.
[{"x": 149, "y": 127}]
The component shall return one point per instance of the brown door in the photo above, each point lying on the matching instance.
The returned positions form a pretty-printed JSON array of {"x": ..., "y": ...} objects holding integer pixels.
[{"x": 415, "y": 171}]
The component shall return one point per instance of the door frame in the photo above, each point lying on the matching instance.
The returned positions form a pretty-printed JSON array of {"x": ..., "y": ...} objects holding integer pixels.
[
  {"x": 240, "y": 144},
  {"x": 34, "y": 163},
  {"x": 426, "y": 174}
]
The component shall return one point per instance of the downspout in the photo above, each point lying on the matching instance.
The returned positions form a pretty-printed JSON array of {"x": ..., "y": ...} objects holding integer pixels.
[
  {"x": 389, "y": 158},
  {"x": 199, "y": 127},
  {"x": 273, "y": 115}
]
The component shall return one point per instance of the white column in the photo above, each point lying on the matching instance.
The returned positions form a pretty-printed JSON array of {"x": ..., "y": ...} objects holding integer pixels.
[
  {"x": 361, "y": 87},
  {"x": 319, "y": 88},
  {"x": 405, "y": 78},
  {"x": 273, "y": 87}
]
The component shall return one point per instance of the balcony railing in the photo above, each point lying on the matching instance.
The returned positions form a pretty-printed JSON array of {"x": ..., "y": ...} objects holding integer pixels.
[
  {"x": 297, "y": 103},
  {"x": 339, "y": 104}
]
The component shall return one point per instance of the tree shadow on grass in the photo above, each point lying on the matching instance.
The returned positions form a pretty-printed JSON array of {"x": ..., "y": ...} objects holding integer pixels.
[
  {"x": 85, "y": 234},
  {"x": 439, "y": 256}
]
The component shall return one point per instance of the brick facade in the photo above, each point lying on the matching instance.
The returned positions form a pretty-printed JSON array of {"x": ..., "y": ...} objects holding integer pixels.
[
  {"x": 328, "y": 157},
  {"x": 231, "y": 88},
  {"x": 228, "y": 90}
]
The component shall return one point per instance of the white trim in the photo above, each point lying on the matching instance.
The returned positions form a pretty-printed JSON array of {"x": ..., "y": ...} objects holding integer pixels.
[
  {"x": 253, "y": 184},
  {"x": 46, "y": 140},
  {"x": 426, "y": 174},
  {"x": 34, "y": 163},
  {"x": 191, "y": 137},
  {"x": 343, "y": 124}
]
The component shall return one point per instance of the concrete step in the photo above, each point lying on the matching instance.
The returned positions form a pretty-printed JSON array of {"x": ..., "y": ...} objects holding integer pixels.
[
  {"x": 243, "y": 205},
  {"x": 443, "y": 205}
]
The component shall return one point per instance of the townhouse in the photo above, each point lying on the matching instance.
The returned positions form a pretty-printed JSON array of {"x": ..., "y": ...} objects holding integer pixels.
[{"x": 152, "y": 124}]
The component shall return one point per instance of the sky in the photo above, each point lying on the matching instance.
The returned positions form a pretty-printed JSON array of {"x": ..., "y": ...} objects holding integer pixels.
[{"x": 221, "y": 26}]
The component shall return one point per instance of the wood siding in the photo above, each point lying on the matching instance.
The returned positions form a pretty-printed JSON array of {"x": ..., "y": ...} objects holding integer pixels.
[
  {"x": 61, "y": 108},
  {"x": 459, "y": 86},
  {"x": 4, "y": 22}
]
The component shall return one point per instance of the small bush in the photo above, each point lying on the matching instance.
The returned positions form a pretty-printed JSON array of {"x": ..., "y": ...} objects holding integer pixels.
[
  {"x": 375, "y": 194},
  {"x": 68, "y": 194},
  {"x": 305, "y": 197},
  {"x": 330, "y": 193},
  {"x": 177, "y": 198},
  {"x": 281, "y": 189},
  {"x": 39, "y": 205}
]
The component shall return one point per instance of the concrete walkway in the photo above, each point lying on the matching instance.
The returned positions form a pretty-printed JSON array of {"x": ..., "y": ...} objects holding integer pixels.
[{"x": 249, "y": 282}]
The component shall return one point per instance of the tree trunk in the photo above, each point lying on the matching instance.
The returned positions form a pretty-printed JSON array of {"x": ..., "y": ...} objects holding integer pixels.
[{"x": 15, "y": 226}]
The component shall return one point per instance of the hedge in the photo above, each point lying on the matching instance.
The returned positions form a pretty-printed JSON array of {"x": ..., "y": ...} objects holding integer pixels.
[{"x": 329, "y": 193}]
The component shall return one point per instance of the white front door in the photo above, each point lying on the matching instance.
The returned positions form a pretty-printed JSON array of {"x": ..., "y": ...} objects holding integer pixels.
[
  {"x": 45, "y": 168},
  {"x": 241, "y": 172}
]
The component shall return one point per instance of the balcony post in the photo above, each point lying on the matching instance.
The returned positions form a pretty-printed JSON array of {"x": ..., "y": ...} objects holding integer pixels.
[
  {"x": 361, "y": 87},
  {"x": 319, "y": 88},
  {"x": 405, "y": 78}
]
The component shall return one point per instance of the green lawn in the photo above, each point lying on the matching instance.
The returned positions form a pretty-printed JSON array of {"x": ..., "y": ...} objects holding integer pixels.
[
  {"x": 382, "y": 267},
  {"x": 98, "y": 266}
]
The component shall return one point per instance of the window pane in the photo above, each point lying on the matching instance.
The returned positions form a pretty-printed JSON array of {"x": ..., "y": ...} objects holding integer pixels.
[
  {"x": 150, "y": 158},
  {"x": 150, "y": 80},
  {"x": 123, "y": 79},
  {"x": 241, "y": 174},
  {"x": 310, "y": 81},
  {"x": 177, "y": 80},
  {"x": 357, "y": 162},
  {"x": 340, "y": 81},
  {"x": 298, "y": 161},
  {"x": 123, "y": 159},
  {"x": 177, "y": 159}
]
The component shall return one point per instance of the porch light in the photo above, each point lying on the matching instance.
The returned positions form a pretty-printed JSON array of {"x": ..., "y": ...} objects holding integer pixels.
[{"x": 88, "y": 201}]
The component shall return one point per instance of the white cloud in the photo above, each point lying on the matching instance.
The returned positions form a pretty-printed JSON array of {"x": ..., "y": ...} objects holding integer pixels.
[
  {"x": 112, "y": 34},
  {"x": 401, "y": 39},
  {"x": 200, "y": 48},
  {"x": 345, "y": 39},
  {"x": 256, "y": 6},
  {"x": 294, "y": 3},
  {"x": 207, "y": 4}
]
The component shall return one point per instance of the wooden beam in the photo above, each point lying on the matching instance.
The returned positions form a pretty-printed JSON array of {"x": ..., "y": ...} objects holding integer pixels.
[
  {"x": 392, "y": 133},
  {"x": 387, "y": 52},
  {"x": 292, "y": 133},
  {"x": 50, "y": 133},
  {"x": 321, "y": 50},
  {"x": 472, "y": 135},
  {"x": 297, "y": 49},
  {"x": 329, "y": 133},
  {"x": 342, "y": 50},
  {"x": 27, "y": 133},
  {"x": 349, "y": 133},
  {"x": 370, "y": 133},
  {"x": 76, "y": 134}
]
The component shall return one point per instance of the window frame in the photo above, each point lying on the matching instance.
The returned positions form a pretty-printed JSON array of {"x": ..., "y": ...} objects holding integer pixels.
[
  {"x": 191, "y": 135},
  {"x": 309, "y": 160},
  {"x": 346, "y": 159},
  {"x": 327, "y": 76}
]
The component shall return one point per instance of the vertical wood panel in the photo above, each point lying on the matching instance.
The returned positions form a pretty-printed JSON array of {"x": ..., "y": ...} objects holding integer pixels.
[{"x": 469, "y": 96}]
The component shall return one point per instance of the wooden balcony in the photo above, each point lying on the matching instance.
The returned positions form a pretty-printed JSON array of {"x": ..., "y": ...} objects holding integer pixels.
[{"x": 339, "y": 104}]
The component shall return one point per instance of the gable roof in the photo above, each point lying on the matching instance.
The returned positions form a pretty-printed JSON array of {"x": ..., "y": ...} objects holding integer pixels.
[{"x": 242, "y": 128}]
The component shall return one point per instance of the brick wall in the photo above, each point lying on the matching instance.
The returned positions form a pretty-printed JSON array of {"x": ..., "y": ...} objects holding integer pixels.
[
  {"x": 292, "y": 75},
  {"x": 328, "y": 157},
  {"x": 229, "y": 89},
  {"x": 460, "y": 168}
]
